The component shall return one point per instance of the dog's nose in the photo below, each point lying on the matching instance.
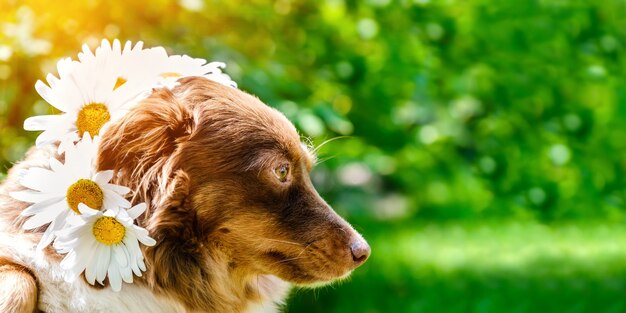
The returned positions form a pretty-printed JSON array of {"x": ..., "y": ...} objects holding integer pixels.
[{"x": 360, "y": 251}]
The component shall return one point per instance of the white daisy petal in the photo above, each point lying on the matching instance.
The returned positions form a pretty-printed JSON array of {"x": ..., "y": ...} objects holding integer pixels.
[
  {"x": 65, "y": 67},
  {"x": 45, "y": 217},
  {"x": 87, "y": 244},
  {"x": 67, "y": 142},
  {"x": 41, "y": 122},
  {"x": 87, "y": 211},
  {"x": 116, "y": 199},
  {"x": 128, "y": 46},
  {"x": 115, "y": 278},
  {"x": 137, "y": 271},
  {"x": 148, "y": 241},
  {"x": 83, "y": 260},
  {"x": 135, "y": 253},
  {"x": 122, "y": 190},
  {"x": 52, "y": 80},
  {"x": 56, "y": 165},
  {"x": 103, "y": 177},
  {"x": 86, "y": 55},
  {"x": 39, "y": 179},
  {"x": 118, "y": 114},
  {"x": 49, "y": 234},
  {"x": 50, "y": 136},
  {"x": 69, "y": 260},
  {"x": 142, "y": 236},
  {"x": 142, "y": 265},
  {"x": 66, "y": 247},
  {"x": 116, "y": 192},
  {"x": 31, "y": 196},
  {"x": 102, "y": 266},
  {"x": 216, "y": 65},
  {"x": 47, "y": 94},
  {"x": 91, "y": 270},
  {"x": 77, "y": 230},
  {"x": 40, "y": 206},
  {"x": 121, "y": 256},
  {"x": 137, "y": 210},
  {"x": 77, "y": 259},
  {"x": 127, "y": 274}
]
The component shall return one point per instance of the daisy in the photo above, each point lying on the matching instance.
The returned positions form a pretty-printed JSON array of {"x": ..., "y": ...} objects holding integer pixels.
[
  {"x": 104, "y": 244},
  {"x": 92, "y": 92},
  {"x": 178, "y": 66},
  {"x": 135, "y": 66},
  {"x": 56, "y": 192}
]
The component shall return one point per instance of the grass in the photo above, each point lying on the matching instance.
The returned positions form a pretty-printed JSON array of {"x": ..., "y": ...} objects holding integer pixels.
[{"x": 487, "y": 267}]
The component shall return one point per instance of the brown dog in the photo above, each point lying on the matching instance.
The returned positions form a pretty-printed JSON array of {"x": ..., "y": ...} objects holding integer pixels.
[{"x": 231, "y": 206}]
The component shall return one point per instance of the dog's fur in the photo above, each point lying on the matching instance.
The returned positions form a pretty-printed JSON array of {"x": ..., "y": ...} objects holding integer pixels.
[{"x": 231, "y": 237}]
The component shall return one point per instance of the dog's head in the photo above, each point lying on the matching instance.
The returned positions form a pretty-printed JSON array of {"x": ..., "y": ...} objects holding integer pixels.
[{"x": 223, "y": 172}]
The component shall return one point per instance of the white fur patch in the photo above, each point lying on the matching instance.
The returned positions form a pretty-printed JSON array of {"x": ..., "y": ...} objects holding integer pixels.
[
  {"x": 274, "y": 291},
  {"x": 57, "y": 295}
]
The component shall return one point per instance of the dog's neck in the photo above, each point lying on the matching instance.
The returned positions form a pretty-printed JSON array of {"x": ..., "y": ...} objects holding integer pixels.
[
  {"x": 248, "y": 292},
  {"x": 261, "y": 293},
  {"x": 214, "y": 284},
  {"x": 272, "y": 293}
]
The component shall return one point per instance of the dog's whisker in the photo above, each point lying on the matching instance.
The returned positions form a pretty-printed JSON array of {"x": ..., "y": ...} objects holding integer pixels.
[
  {"x": 316, "y": 149},
  {"x": 288, "y": 260},
  {"x": 297, "y": 257},
  {"x": 320, "y": 161},
  {"x": 307, "y": 246},
  {"x": 284, "y": 241}
]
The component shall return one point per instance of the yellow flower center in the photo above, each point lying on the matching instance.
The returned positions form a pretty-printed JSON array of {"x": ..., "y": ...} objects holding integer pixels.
[
  {"x": 91, "y": 118},
  {"x": 108, "y": 231},
  {"x": 119, "y": 82},
  {"x": 170, "y": 74},
  {"x": 84, "y": 191}
]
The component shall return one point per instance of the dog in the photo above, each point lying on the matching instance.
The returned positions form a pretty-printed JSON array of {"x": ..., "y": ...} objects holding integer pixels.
[{"x": 231, "y": 206}]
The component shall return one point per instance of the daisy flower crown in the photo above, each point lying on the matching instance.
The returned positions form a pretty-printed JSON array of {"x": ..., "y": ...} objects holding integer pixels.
[{"x": 86, "y": 217}]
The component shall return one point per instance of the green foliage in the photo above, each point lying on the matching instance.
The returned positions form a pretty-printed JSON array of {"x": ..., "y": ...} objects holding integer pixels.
[{"x": 434, "y": 110}]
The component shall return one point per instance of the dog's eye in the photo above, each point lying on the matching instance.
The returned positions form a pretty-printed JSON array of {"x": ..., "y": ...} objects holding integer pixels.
[{"x": 282, "y": 172}]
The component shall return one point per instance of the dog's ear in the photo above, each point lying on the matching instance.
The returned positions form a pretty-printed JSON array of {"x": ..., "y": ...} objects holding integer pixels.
[
  {"x": 149, "y": 131},
  {"x": 143, "y": 148},
  {"x": 175, "y": 191},
  {"x": 171, "y": 216}
]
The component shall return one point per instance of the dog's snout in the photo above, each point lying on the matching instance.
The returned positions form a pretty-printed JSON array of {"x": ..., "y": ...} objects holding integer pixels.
[{"x": 360, "y": 251}]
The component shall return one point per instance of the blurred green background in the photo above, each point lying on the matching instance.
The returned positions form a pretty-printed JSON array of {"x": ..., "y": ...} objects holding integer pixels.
[{"x": 478, "y": 145}]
